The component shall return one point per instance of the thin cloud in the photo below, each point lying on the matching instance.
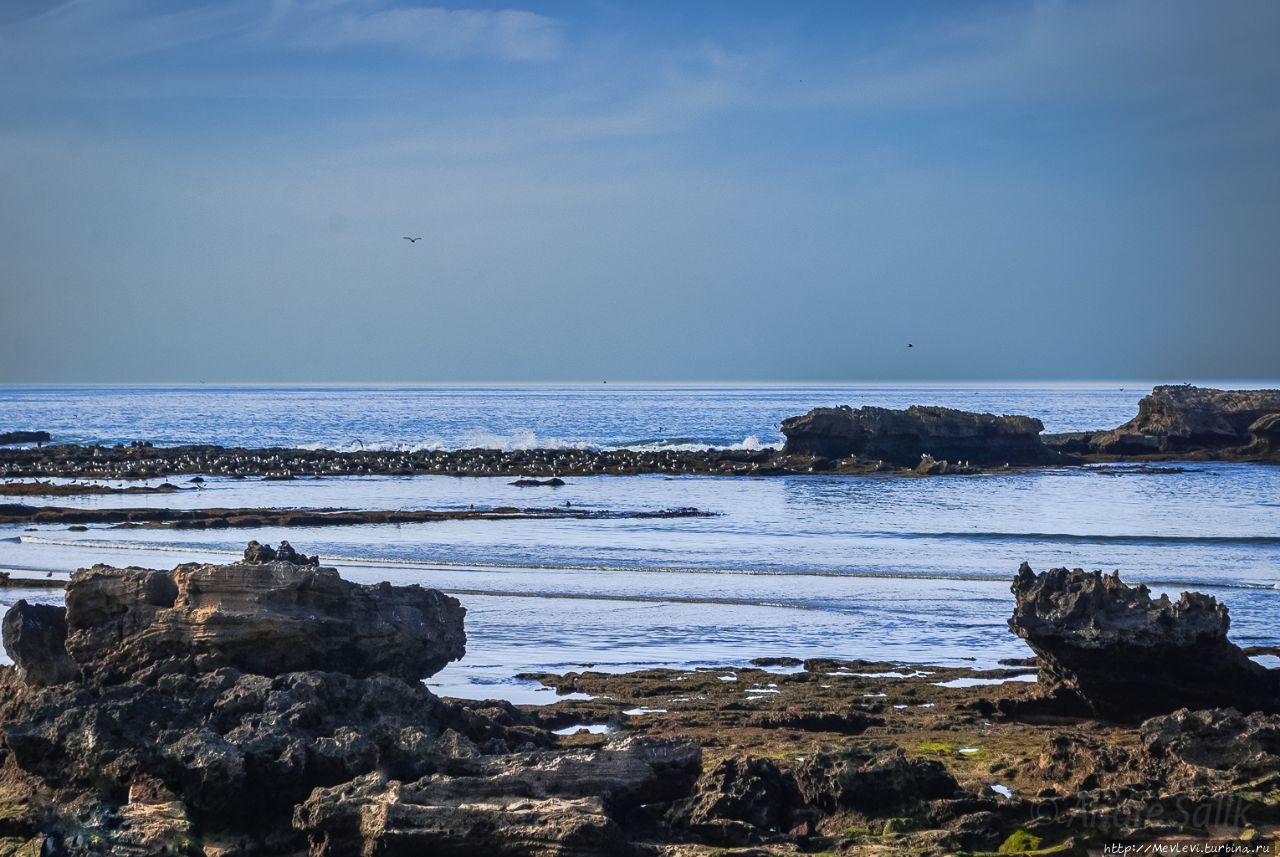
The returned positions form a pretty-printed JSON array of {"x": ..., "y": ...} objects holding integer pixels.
[
  {"x": 508, "y": 34},
  {"x": 80, "y": 31}
]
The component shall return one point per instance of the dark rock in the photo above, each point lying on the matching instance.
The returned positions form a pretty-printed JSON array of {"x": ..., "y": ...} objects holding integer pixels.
[
  {"x": 286, "y": 553},
  {"x": 9, "y": 437},
  {"x": 35, "y": 636},
  {"x": 266, "y": 618},
  {"x": 1112, "y": 650},
  {"x": 553, "y": 482},
  {"x": 1264, "y": 433},
  {"x": 881, "y": 782},
  {"x": 744, "y": 800},
  {"x": 227, "y": 742},
  {"x": 545, "y": 802},
  {"x": 1186, "y": 418},
  {"x": 903, "y": 437},
  {"x": 1075, "y": 442},
  {"x": 1215, "y": 757},
  {"x": 255, "y": 552}
]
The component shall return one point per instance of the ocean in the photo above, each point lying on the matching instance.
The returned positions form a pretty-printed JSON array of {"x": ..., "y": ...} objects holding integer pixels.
[{"x": 882, "y": 568}]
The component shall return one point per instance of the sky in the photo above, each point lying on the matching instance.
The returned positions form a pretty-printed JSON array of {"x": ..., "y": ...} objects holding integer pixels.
[{"x": 732, "y": 191}]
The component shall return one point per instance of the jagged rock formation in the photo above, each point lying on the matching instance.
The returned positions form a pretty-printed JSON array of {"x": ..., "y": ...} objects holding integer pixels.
[
  {"x": 542, "y": 802},
  {"x": 739, "y": 799},
  {"x": 265, "y": 618},
  {"x": 200, "y": 709},
  {"x": 903, "y": 437},
  {"x": 878, "y": 779},
  {"x": 1186, "y": 418},
  {"x": 1184, "y": 771},
  {"x": 1112, "y": 650}
]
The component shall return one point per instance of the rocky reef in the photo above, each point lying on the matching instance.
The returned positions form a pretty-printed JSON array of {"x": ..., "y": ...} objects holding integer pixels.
[
  {"x": 1175, "y": 419},
  {"x": 1111, "y": 650},
  {"x": 903, "y": 437},
  {"x": 1172, "y": 422},
  {"x": 153, "y": 517}
]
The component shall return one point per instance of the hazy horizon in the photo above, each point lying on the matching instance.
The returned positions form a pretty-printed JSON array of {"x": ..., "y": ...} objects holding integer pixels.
[
  {"x": 1140, "y": 387},
  {"x": 1034, "y": 192}
]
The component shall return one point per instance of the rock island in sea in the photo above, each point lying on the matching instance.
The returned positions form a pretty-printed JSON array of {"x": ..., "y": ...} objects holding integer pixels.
[{"x": 1173, "y": 422}]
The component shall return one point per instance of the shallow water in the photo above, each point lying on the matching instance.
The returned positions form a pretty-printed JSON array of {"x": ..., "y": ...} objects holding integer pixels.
[{"x": 883, "y": 568}]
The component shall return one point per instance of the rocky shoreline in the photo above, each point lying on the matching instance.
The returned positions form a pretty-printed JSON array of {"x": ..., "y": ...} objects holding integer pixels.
[
  {"x": 1173, "y": 423},
  {"x": 242, "y": 518},
  {"x": 269, "y": 707}
]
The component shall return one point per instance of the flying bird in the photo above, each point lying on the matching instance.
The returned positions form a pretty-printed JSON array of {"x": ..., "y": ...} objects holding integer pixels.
[
  {"x": 909, "y": 345},
  {"x": 412, "y": 240}
]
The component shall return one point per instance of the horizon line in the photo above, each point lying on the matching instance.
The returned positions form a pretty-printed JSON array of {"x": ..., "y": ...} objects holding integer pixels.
[{"x": 808, "y": 384}]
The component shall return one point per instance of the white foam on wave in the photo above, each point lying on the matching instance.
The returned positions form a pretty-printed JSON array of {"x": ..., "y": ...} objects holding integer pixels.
[
  {"x": 513, "y": 441},
  {"x": 525, "y": 439},
  {"x": 750, "y": 443}
]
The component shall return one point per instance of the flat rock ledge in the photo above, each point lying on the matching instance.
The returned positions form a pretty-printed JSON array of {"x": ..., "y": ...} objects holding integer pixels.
[{"x": 1112, "y": 650}]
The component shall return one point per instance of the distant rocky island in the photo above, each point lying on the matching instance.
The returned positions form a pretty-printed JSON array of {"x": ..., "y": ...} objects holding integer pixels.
[
  {"x": 1173, "y": 422},
  {"x": 269, "y": 707}
]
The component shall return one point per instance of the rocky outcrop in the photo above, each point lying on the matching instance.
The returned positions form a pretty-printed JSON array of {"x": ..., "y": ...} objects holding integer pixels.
[
  {"x": 1210, "y": 751},
  {"x": 543, "y": 802},
  {"x": 1185, "y": 418},
  {"x": 265, "y": 618},
  {"x": 35, "y": 636},
  {"x": 1184, "y": 772},
  {"x": 878, "y": 779},
  {"x": 741, "y": 800},
  {"x": 902, "y": 438},
  {"x": 1112, "y": 650},
  {"x": 219, "y": 706}
]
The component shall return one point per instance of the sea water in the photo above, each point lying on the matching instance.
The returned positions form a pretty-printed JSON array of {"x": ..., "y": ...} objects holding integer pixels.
[{"x": 882, "y": 568}]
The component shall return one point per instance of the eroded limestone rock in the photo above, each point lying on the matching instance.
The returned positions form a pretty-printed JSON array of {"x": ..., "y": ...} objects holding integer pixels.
[
  {"x": 1185, "y": 418},
  {"x": 265, "y": 618},
  {"x": 1112, "y": 650}
]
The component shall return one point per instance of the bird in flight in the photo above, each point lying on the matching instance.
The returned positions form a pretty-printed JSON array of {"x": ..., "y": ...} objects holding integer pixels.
[
  {"x": 909, "y": 345},
  {"x": 412, "y": 240}
]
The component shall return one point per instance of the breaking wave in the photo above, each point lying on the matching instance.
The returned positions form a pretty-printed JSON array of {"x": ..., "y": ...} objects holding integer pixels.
[{"x": 527, "y": 439}]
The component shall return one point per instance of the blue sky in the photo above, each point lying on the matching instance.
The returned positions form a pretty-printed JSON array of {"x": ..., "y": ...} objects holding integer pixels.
[{"x": 678, "y": 191}]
